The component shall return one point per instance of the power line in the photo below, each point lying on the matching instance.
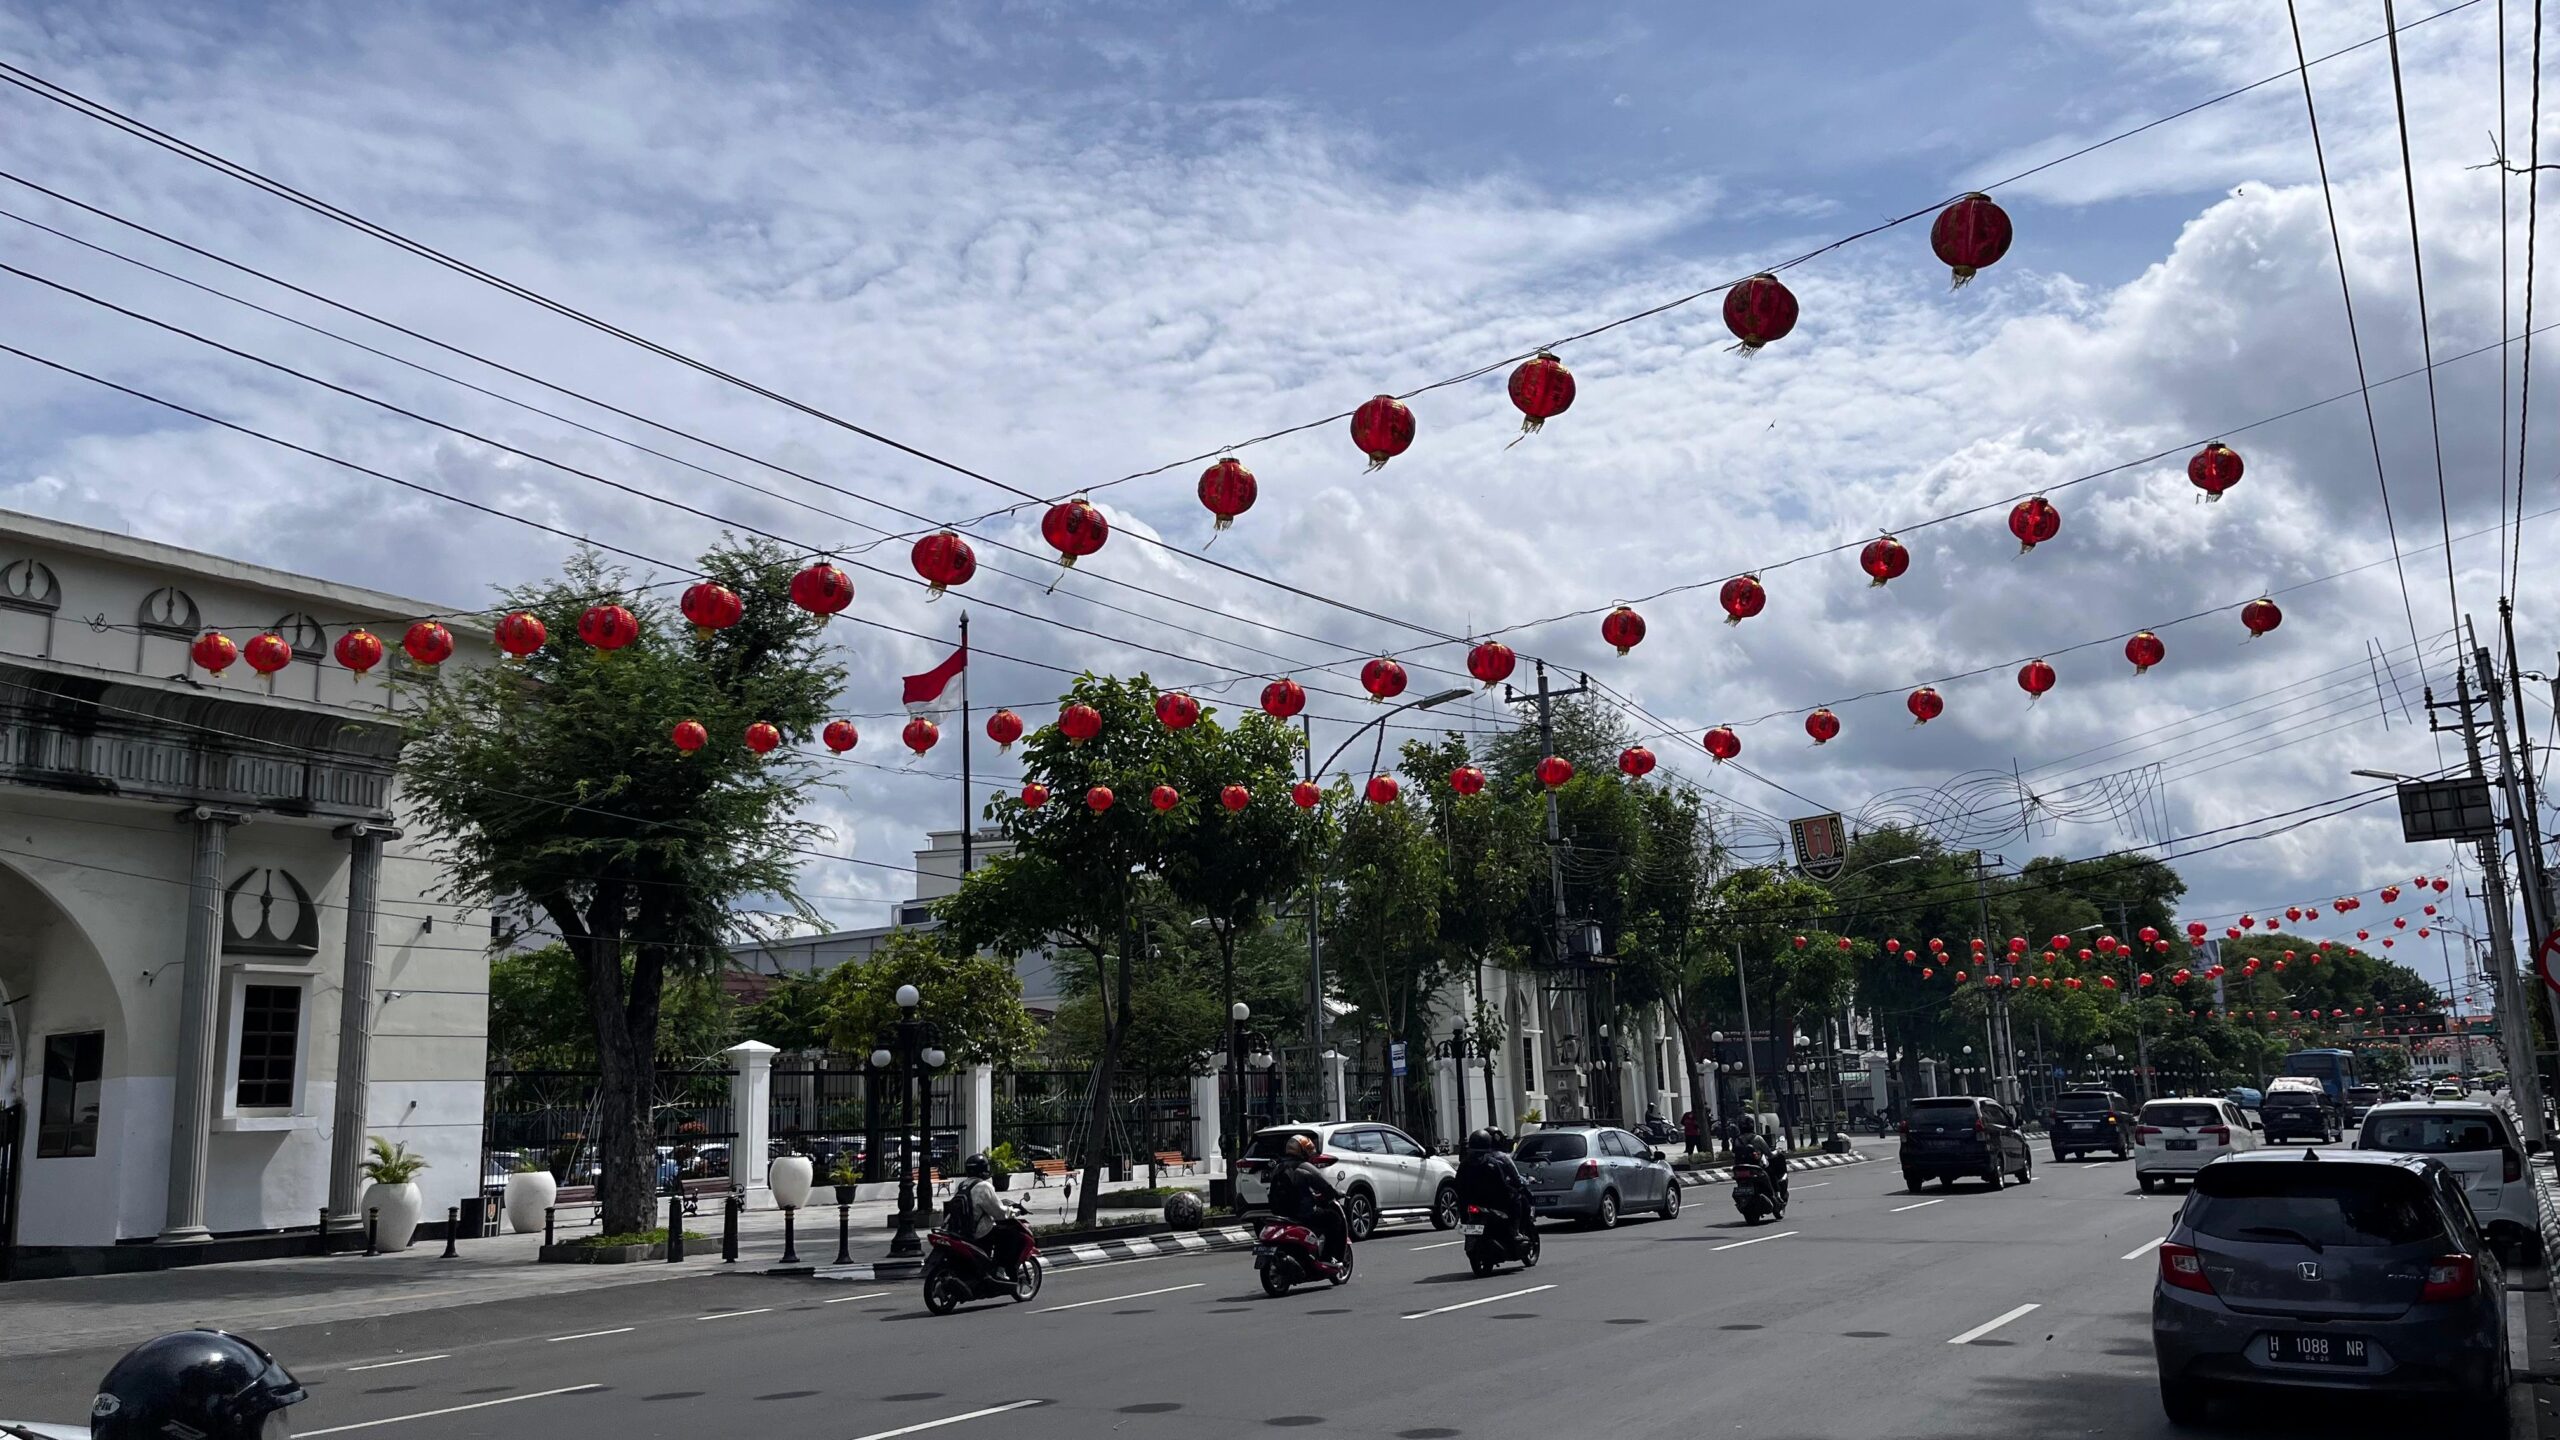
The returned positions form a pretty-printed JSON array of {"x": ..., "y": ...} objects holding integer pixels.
[
  {"x": 2532, "y": 229},
  {"x": 2426, "y": 338}
]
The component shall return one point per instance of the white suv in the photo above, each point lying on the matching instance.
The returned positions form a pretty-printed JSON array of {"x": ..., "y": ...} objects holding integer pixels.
[
  {"x": 1379, "y": 1169},
  {"x": 2173, "y": 1139},
  {"x": 2478, "y": 1144}
]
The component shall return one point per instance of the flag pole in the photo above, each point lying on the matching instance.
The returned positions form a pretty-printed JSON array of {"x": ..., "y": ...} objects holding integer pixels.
[{"x": 967, "y": 830}]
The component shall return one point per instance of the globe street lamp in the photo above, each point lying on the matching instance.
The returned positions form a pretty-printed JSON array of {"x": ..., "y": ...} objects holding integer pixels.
[
  {"x": 1234, "y": 1140},
  {"x": 917, "y": 1050}
]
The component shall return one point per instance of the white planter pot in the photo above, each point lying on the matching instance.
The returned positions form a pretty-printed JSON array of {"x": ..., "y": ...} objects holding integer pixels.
[
  {"x": 528, "y": 1195},
  {"x": 790, "y": 1178},
  {"x": 397, "y": 1220}
]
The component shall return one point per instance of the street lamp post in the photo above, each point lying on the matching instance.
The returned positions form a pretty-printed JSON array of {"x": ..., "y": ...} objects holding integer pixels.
[
  {"x": 916, "y": 1057},
  {"x": 1458, "y": 1077},
  {"x": 1233, "y": 1140}
]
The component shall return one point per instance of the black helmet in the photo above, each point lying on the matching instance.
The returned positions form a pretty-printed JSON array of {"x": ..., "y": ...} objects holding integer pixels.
[
  {"x": 195, "y": 1382},
  {"x": 975, "y": 1167},
  {"x": 1479, "y": 1140}
]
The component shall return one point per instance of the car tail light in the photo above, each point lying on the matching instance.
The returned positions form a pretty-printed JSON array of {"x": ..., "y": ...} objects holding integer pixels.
[
  {"x": 2514, "y": 1167},
  {"x": 1906, "y": 1127},
  {"x": 2111, "y": 1120},
  {"x": 2449, "y": 1277},
  {"x": 2145, "y": 1132},
  {"x": 1587, "y": 1170},
  {"x": 2182, "y": 1268},
  {"x": 1324, "y": 1160},
  {"x": 1977, "y": 1124},
  {"x": 2221, "y": 1133}
]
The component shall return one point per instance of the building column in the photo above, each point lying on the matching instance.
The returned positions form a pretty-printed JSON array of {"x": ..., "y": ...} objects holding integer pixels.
[
  {"x": 1208, "y": 1121},
  {"x": 355, "y": 1020},
  {"x": 199, "y": 1001},
  {"x": 1336, "y": 1085},
  {"x": 751, "y": 1117},
  {"x": 978, "y": 1111}
]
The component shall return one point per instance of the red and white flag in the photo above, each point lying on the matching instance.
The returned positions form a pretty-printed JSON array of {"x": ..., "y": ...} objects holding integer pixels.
[{"x": 924, "y": 689}]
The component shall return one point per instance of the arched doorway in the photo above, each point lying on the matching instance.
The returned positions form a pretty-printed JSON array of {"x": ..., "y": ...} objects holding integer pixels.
[{"x": 53, "y": 983}]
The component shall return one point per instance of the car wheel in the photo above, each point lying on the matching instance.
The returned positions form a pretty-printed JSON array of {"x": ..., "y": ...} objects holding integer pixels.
[
  {"x": 2061, "y": 1156},
  {"x": 2183, "y": 1404},
  {"x": 1995, "y": 1177},
  {"x": 1360, "y": 1214},
  {"x": 1671, "y": 1201},
  {"x": 2144, "y": 1181},
  {"x": 1912, "y": 1182},
  {"x": 2027, "y": 1171},
  {"x": 2120, "y": 1152},
  {"x": 1607, "y": 1218},
  {"x": 1444, "y": 1208}
]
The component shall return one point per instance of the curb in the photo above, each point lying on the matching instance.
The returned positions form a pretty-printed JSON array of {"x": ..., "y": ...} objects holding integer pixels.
[
  {"x": 1723, "y": 1174},
  {"x": 1068, "y": 1257}
]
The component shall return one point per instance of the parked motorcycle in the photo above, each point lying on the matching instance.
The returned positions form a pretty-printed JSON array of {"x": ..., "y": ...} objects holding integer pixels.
[
  {"x": 1755, "y": 1195},
  {"x": 957, "y": 1271},
  {"x": 1492, "y": 1239},
  {"x": 1286, "y": 1253}
]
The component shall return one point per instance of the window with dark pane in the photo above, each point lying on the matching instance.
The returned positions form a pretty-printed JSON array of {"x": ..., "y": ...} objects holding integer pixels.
[
  {"x": 270, "y": 1031},
  {"x": 67, "y": 1122}
]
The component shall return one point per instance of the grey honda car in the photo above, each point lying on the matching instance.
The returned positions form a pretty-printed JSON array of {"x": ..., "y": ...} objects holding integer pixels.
[
  {"x": 1595, "y": 1173},
  {"x": 2330, "y": 1270}
]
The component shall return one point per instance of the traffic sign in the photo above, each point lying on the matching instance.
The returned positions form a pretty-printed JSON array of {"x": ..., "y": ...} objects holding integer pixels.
[
  {"x": 1395, "y": 1058},
  {"x": 2547, "y": 960}
]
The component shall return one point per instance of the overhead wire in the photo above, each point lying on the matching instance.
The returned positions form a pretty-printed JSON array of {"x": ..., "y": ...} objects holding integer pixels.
[
  {"x": 2426, "y": 337},
  {"x": 2532, "y": 230}
]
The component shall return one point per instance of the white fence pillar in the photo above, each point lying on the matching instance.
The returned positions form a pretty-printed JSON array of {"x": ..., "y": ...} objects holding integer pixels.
[
  {"x": 1208, "y": 1118},
  {"x": 978, "y": 1111},
  {"x": 1337, "y": 1101},
  {"x": 751, "y": 1115}
]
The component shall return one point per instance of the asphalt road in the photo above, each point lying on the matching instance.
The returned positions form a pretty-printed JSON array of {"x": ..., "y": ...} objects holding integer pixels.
[{"x": 1867, "y": 1312}]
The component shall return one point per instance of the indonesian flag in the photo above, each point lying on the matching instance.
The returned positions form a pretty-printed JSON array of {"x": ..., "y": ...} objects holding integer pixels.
[{"x": 926, "y": 688}]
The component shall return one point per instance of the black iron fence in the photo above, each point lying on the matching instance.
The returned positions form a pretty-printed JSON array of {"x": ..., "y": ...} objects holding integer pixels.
[
  {"x": 1047, "y": 1113},
  {"x": 549, "y": 1117}
]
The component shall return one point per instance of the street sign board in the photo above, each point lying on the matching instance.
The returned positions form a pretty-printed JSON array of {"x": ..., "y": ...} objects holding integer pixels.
[
  {"x": 1822, "y": 844},
  {"x": 1395, "y": 1058},
  {"x": 2546, "y": 961},
  {"x": 2456, "y": 809}
]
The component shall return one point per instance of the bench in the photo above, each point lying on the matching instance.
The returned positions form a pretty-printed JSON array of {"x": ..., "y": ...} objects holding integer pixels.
[
  {"x": 693, "y": 1191},
  {"x": 1172, "y": 1160},
  {"x": 1043, "y": 1171}
]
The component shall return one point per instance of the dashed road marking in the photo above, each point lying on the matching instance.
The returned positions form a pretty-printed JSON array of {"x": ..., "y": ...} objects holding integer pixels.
[
  {"x": 1439, "y": 1245},
  {"x": 480, "y": 1405},
  {"x": 1756, "y": 1239},
  {"x": 2143, "y": 1249},
  {"x": 1107, "y": 1299},
  {"x": 734, "y": 1314},
  {"x": 1922, "y": 1205},
  {"x": 591, "y": 1334},
  {"x": 950, "y": 1420},
  {"x": 1978, "y": 1331},
  {"x": 1471, "y": 1304},
  {"x": 872, "y": 1295},
  {"x": 388, "y": 1364}
]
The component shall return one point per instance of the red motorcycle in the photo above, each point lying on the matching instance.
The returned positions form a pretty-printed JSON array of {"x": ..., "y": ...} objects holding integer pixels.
[
  {"x": 1287, "y": 1252},
  {"x": 957, "y": 1271}
]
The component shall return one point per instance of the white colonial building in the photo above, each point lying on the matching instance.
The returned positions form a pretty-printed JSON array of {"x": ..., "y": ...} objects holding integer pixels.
[{"x": 222, "y": 963}]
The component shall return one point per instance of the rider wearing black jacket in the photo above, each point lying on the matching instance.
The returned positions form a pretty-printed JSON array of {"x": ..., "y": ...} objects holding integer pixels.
[
  {"x": 1489, "y": 1180},
  {"x": 1300, "y": 1191},
  {"x": 1749, "y": 1150}
]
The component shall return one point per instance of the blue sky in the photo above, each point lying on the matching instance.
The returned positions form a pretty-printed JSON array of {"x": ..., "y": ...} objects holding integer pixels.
[{"x": 1064, "y": 242}]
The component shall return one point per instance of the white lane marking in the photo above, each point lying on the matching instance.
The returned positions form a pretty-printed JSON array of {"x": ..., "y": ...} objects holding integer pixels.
[
  {"x": 1107, "y": 1299},
  {"x": 1756, "y": 1239},
  {"x": 1816, "y": 1185},
  {"x": 873, "y": 1295},
  {"x": 458, "y": 1409},
  {"x": 950, "y": 1420},
  {"x": 1442, "y": 1245},
  {"x": 1898, "y": 1209},
  {"x": 389, "y": 1364},
  {"x": 1471, "y": 1304},
  {"x": 2143, "y": 1249},
  {"x": 2517, "y": 1357},
  {"x": 734, "y": 1314},
  {"x": 1978, "y": 1331},
  {"x": 591, "y": 1335}
]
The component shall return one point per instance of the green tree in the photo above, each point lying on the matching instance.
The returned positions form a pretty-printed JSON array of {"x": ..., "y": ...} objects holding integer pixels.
[
  {"x": 1229, "y": 868},
  {"x": 792, "y": 1015},
  {"x": 1384, "y": 941},
  {"x": 971, "y": 999},
  {"x": 538, "y": 1016},
  {"x": 551, "y": 787}
]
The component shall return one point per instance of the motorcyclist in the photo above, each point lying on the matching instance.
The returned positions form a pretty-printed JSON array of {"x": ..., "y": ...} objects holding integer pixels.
[
  {"x": 1490, "y": 1180},
  {"x": 201, "y": 1383},
  {"x": 978, "y": 1215},
  {"x": 1300, "y": 1191},
  {"x": 1752, "y": 1147}
]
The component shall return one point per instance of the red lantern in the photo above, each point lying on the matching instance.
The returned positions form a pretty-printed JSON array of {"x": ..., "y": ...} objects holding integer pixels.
[
  {"x": 1623, "y": 628},
  {"x": 1892, "y": 946},
  {"x": 1491, "y": 661},
  {"x": 1925, "y": 705},
  {"x": 1283, "y": 699},
  {"x": 1822, "y": 725},
  {"x": 1383, "y": 679},
  {"x": 1075, "y": 529},
  {"x": 1098, "y": 799},
  {"x": 1799, "y": 942},
  {"x": 1759, "y": 310},
  {"x": 689, "y": 736},
  {"x": 1883, "y": 559},
  {"x": 711, "y": 606},
  {"x": 1937, "y": 946},
  {"x": 428, "y": 643},
  {"x": 2108, "y": 981},
  {"x": 1177, "y": 711},
  {"x": 2017, "y": 945},
  {"x": 1382, "y": 427},
  {"x": 1543, "y": 389},
  {"x": 762, "y": 738},
  {"x": 1235, "y": 797},
  {"x": 1960, "y": 977},
  {"x": 1305, "y": 795},
  {"x": 2145, "y": 651},
  {"x": 1228, "y": 490},
  {"x": 519, "y": 634},
  {"x": 1635, "y": 761},
  {"x": 1034, "y": 795},
  {"x": 2214, "y": 469},
  {"x": 1004, "y": 727},
  {"x": 1970, "y": 234},
  {"x": 2147, "y": 934},
  {"x": 359, "y": 650},
  {"x": 1467, "y": 780},
  {"x": 214, "y": 651},
  {"x": 1554, "y": 771},
  {"x": 822, "y": 589},
  {"x": 944, "y": 560},
  {"x": 1742, "y": 598},
  {"x": 1164, "y": 797},
  {"x": 2034, "y": 521},
  {"x": 1079, "y": 722},
  {"x": 2442, "y": 885},
  {"x": 1844, "y": 942},
  {"x": 2106, "y": 944},
  {"x": 2195, "y": 931},
  {"x": 840, "y": 736},
  {"x": 608, "y": 627},
  {"x": 1382, "y": 789},
  {"x": 2035, "y": 677},
  {"x": 1926, "y": 973},
  {"x": 920, "y": 734},
  {"x": 2143, "y": 979},
  {"x": 1722, "y": 743},
  {"x": 269, "y": 653},
  {"x": 2260, "y": 616}
]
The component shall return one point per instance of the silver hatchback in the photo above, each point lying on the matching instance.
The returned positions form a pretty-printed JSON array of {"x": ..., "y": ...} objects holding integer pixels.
[
  {"x": 2330, "y": 1270},
  {"x": 1595, "y": 1173}
]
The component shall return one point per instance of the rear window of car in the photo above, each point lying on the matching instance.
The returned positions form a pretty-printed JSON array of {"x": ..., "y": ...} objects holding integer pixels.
[
  {"x": 2431, "y": 1134},
  {"x": 1267, "y": 1145},
  {"x": 2290, "y": 1099},
  {"x": 2189, "y": 1115},
  {"x": 1553, "y": 1145},
  {"x": 1942, "y": 1115},
  {"x": 2364, "y": 1094},
  {"x": 2094, "y": 1102},
  {"x": 2352, "y": 1205}
]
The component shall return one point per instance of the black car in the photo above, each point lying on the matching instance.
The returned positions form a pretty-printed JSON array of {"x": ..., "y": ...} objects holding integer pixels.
[
  {"x": 1965, "y": 1135},
  {"x": 2086, "y": 1120},
  {"x": 2298, "y": 1112}
]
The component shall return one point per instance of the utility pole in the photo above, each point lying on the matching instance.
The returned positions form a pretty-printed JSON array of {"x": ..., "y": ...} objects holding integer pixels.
[
  {"x": 968, "y": 826},
  {"x": 1315, "y": 943},
  {"x": 2514, "y": 1035},
  {"x": 2522, "y": 824},
  {"x": 1544, "y": 698},
  {"x": 2141, "y": 1040},
  {"x": 1750, "y": 1060},
  {"x": 1999, "y": 1049}
]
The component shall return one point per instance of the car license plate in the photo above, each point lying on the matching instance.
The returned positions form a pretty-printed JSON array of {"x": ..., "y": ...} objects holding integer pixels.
[
  {"x": 2182, "y": 1144},
  {"x": 1470, "y": 1229},
  {"x": 1263, "y": 1250},
  {"x": 2295, "y": 1349}
]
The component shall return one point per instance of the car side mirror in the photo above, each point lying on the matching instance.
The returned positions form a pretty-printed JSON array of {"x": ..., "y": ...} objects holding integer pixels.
[{"x": 1653, "y": 1155}]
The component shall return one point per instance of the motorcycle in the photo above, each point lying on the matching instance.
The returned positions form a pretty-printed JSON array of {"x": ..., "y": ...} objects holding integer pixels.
[
  {"x": 1492, "y": 1239},
  {"x": 1755, "y": 1195},
  {"x": 957, "y": 1271},
  {"x": 1287, "y": 1252}
]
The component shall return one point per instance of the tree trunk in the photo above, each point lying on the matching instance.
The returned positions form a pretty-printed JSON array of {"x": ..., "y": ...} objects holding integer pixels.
[{"x": 1115, "y": 1024}]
